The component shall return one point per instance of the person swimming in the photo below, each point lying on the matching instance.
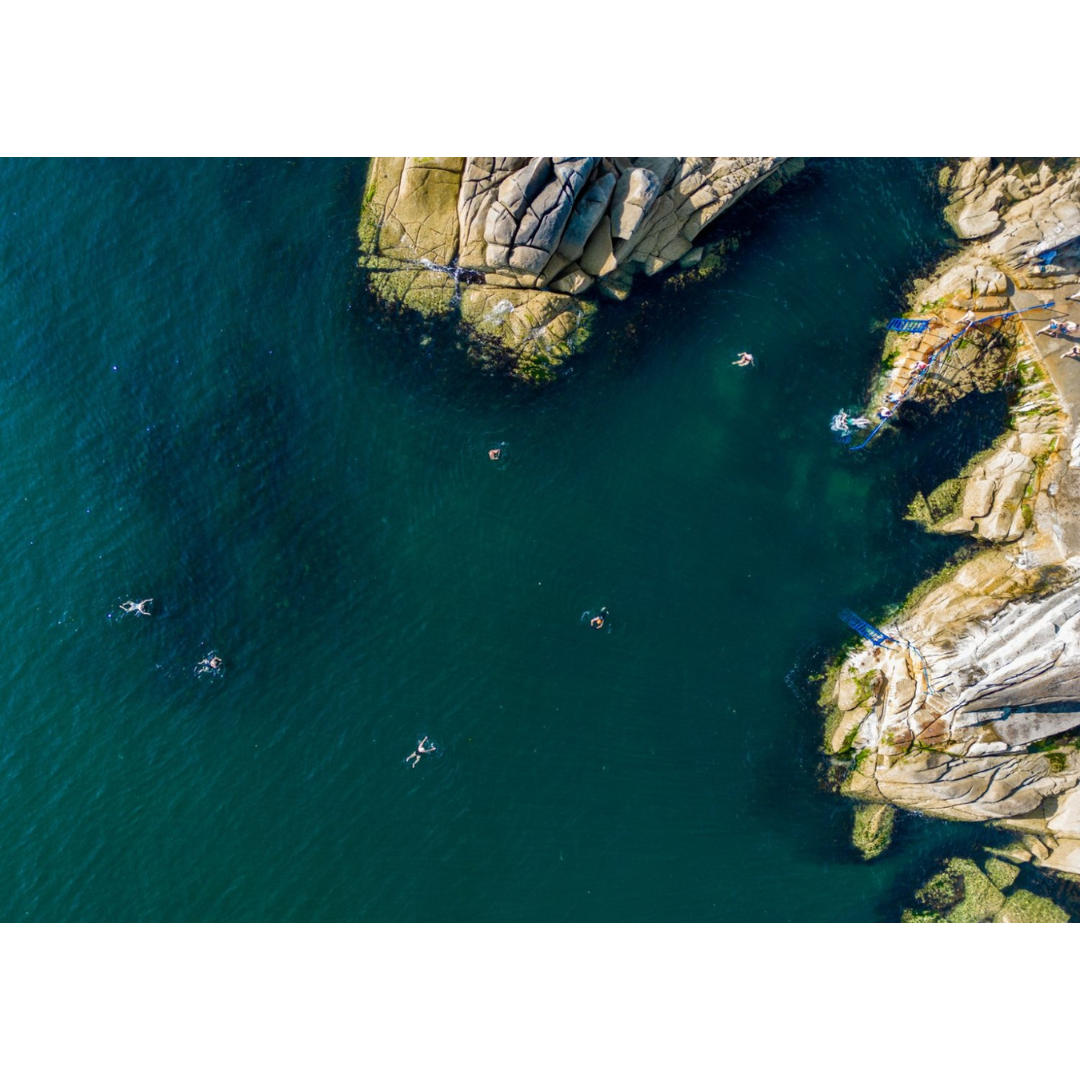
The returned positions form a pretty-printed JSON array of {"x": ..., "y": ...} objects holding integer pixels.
[
  {"x": 420, "y": 749},
  {"x": 495, "y": 453},
  {"x": 211, "y": 664},
  {"x": 599, "y": 619},
  {"x": 133, "y": 607},
  {"x": 745, "y": 360}
]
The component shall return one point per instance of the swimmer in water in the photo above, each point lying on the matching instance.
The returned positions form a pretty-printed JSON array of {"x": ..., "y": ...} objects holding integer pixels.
[
  {"x": 421, "y": 749},
  {"x": 598, "y": 620},
  {"x": 209, "y": 664},
  {"x": 495, "y": 453},
  {"x": 745, "y": 360},
  {"x": 137, "y": 608}
]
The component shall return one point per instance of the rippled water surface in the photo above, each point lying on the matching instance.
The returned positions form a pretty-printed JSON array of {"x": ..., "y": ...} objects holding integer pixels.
[{"x": 197, "y": 404}]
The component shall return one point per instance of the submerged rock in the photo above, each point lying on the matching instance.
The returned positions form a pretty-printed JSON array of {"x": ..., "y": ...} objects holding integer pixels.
[{"x": 540, "y": 232}]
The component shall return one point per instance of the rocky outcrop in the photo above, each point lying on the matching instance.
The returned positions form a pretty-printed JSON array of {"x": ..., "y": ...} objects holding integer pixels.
[
  {"x": 521, "y": 245},
  {"x": 972, "y": 711},
  {"x": 961, "y": 892},
  {"x": 1024, "y": 209}
]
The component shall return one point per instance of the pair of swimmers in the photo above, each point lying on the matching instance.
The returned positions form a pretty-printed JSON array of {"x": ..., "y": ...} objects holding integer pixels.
[{"x": 210, "y": 664}]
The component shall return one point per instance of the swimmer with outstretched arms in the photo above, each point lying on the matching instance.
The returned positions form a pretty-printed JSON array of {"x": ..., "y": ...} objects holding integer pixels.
[
  {"x": 136, "y": 607},
  {"x": 421, "y": 749},
  {"x": 598, "y": 620}
]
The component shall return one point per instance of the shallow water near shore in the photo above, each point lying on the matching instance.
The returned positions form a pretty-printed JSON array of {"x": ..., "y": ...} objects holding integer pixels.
[{"x": 199, "y": 405}]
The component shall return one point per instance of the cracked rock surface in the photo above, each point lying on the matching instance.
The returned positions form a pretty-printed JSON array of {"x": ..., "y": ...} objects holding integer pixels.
[
  {"x": 973, "y": 711},
  {"x": 519, "y": 247}
]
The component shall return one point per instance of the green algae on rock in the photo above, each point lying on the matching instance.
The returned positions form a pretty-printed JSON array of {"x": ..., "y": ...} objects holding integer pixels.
[
  {"x": 512, "y": 243},
  {"x": 961, "y": 892},
  {"x": 873, "y": 828}
]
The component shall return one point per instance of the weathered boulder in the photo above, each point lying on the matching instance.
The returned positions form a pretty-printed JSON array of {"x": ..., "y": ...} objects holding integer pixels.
[{"x": 431, "y": 227}]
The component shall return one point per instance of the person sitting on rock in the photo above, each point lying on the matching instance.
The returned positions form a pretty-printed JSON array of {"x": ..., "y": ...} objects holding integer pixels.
[
  {"x": 966, "y": 319},
  {"x": 745, "y": 360},
  {"x": 893, "y": 398},
  {"x": 1072, "y": 354},
  {"x": 885, "y": 413}
]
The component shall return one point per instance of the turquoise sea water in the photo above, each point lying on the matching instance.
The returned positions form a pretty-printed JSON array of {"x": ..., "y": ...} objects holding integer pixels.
[{"x": 198, "y": 404}]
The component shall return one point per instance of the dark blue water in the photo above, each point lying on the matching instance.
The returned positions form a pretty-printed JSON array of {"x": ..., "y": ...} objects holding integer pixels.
[{"x": 199, "y": 405}]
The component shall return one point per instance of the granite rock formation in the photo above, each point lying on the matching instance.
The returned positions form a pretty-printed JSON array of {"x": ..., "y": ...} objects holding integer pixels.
[
  {"x": 520, "y": 246},
  {"x": 973, "y": 711}
]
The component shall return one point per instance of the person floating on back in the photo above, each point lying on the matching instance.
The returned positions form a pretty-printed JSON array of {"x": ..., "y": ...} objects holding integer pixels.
[
  {"x": 745, "y": 360},
  {"x": 495, "y": 453},
  {"x": 137, "y": 607},
  {"x": 599, "y": 619},
  {"x": 421, "y": 749}
]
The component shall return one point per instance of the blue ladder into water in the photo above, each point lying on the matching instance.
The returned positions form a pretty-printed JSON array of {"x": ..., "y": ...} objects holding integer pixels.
[
  {"x": 908, "y": 326},
  {"x": 861, "y": 626},
  {"x": 943, "y": 350}
]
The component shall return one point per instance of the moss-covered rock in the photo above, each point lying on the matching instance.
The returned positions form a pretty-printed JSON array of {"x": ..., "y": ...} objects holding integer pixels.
[
  {"x": 1025, "y": 907},
  {"x": 873, "y": 828},
  {"x": 1002, "y": 874},
  {"x": 960, "y": 893}
]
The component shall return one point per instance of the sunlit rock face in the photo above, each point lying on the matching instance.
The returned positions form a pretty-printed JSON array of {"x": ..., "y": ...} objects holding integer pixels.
[
  {"x": 972, "y": 712},
  {"x": 520, "y": 246}
]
